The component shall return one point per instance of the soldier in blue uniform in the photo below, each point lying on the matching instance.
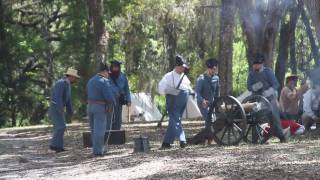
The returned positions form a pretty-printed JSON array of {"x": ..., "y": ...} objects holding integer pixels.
[
  {"x": 61, "y": 98},
  {"x": 121, "y": 90},
  {"x": 100, "y": 106},
  {"x": 207, "y": 89},
  {"x": 175, "y": 85},
  {"x": 262, "y": 81}
]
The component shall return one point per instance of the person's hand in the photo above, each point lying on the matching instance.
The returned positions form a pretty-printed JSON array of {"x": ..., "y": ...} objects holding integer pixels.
[
  {"x": 303, "y": 81},
  {"x": 257, "y": 86},
  {"x": 205, "y": 103}
]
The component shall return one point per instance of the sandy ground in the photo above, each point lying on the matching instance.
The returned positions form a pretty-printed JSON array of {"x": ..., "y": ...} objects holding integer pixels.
[{"x": 24, "y": 154}]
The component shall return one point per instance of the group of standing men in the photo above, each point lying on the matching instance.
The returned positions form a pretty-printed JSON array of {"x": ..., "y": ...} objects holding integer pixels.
[
  {"x": 261, "y": 81},
  {"x": 107, "y": 92}
]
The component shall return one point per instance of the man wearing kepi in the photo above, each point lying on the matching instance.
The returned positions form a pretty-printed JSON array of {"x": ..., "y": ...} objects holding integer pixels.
[
  {"x": 120, "y": 86},
  {"x": 61, "y": 98},
  {"x": 100, "y": 107},
  {"x": 207, "y": 89},
  {"x": 175, "y": 85},
  {"x": 262, "y": 81}
]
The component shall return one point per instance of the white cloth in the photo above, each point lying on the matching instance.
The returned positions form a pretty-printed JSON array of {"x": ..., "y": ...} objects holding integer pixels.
[
  {"x": 310, "y": 99},
  {"x": 171, "y": 80},
  {"x": 269, "y": 92},
  {"x": 257, "y": 86}
]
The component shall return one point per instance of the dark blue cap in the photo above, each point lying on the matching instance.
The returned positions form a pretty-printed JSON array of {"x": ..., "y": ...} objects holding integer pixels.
[
  {"x": 212, "y": 62},
  {"x": 258, "y": 58},
  {"x": 115, "y": 63},
  {"x": 180, "y": 61}
]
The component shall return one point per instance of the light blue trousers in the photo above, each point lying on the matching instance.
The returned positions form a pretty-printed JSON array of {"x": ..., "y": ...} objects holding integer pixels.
[
  {"x": 59, "y": 126},
  {"x": 204, "y": 113},
  {"x": 175, "y": 107},
  {"x": 98, "y": 120}
]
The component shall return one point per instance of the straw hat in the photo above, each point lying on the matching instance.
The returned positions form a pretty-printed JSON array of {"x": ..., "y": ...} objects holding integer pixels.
[
  {"x": 292, "y": 78},
  {"x": 72, "y": 72}
]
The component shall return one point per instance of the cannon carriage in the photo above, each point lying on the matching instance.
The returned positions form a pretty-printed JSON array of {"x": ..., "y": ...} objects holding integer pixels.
[{"x": 235, "y": 121}]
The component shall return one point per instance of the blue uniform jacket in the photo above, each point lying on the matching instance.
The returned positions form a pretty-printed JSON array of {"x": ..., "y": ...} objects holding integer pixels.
[
  {"x": 61, "y": 95},
  {"x": 121, "y": 86},
  {"x": 207, "y": 88},
  {"x": 99, "y": 89},
  {"x": 266, "y": 77}
]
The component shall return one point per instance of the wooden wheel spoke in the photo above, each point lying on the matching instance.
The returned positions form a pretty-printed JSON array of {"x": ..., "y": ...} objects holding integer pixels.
[
  {"x": 224, "y": 132},
  {"x": 237, "y": 127}
]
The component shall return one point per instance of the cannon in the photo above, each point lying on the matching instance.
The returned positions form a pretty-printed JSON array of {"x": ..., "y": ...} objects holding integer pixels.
[{"x": 234, "y": 121}]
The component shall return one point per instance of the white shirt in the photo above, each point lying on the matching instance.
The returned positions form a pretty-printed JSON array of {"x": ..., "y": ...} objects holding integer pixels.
[
  {"x": 310, "y": 99},
  {"x": 172, "y": 79}
]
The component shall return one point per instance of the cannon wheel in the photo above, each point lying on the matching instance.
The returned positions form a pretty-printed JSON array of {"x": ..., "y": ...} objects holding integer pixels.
[
  {"x": 258, "y": 121},
  {"x": 230, "y": 124}
]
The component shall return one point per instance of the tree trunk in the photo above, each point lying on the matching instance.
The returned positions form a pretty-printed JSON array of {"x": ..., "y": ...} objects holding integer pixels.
[
  {"x": 286, "y": 34},
  {"x": 293, "y": 59},
  {"x": 313, "y": 7},
  {"x": 85, "y": 67},
  {"x": 260, "y": 26},
  {"x": 226, "y": 43},
  {"x": 171, "y": 35},
  {"x": 101, "y": 35},
  {"x": 314, "y": 47}
]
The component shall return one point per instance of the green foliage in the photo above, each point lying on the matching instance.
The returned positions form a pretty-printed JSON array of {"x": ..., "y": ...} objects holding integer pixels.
[
  {"x": 40, "y": 41},
  {"x": 240, "y": 67}
]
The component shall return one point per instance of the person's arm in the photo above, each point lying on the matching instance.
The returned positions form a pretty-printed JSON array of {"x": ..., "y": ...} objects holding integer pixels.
[
  {"x": 272, "y": 79},
  {"x": 162, "y": 85},
  {"x": 126, "y": 89},
  {"x": 307, "y": 105},
  {"x": 58, "y": 95},
  {"x": 68, "y": 99},
  {"x": 199, "y": 87},
  {"x": 107, "y": 92},
  {"x": 303, "y": 89},
  {"x": 217, "y": 92}
]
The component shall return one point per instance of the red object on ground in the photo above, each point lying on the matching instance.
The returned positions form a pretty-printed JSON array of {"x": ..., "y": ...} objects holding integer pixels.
[{"x": 294, "y": 126}]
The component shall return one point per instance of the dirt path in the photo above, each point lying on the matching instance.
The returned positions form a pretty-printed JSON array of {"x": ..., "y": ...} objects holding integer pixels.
[{"x": 24, "y": 154}]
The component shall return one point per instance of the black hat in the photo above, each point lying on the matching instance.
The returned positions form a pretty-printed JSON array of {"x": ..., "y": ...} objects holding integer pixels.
[
  {"x": 258, "y": 58},
  {"x": 103, "y": 67},
  {"x": 212, "y": 62},
  {"x": 180, "y": 61},
  {"x": 115, "y": 63}
]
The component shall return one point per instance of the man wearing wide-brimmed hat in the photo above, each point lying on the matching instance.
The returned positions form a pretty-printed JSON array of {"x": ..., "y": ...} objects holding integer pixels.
[
  {"x": 290, "y": 97},
  {"x": 61, "y": 98}
]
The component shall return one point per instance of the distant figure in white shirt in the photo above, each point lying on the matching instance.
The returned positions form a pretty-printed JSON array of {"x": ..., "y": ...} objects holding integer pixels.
[
  {"x": 311, "y": 107},
  {"x": 175, "y": 85}
]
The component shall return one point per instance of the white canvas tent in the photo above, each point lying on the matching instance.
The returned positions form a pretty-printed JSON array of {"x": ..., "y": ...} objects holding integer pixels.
[
  {"x": 142, "y": 109},
  {"x": 192, "y": 111}
]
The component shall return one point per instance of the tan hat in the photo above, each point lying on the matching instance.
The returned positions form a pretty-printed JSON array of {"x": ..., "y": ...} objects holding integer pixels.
[{"x": 72, "y": 72}]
